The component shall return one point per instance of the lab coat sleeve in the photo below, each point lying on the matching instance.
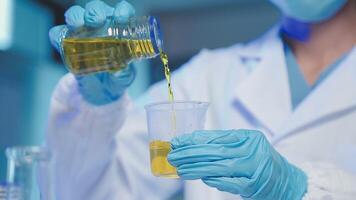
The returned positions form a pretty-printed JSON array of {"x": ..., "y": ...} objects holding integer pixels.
[
  {"x": 328, "y": 182},
  {"x": 80, "y": 135},
  {"x": 95, "y": 157}
]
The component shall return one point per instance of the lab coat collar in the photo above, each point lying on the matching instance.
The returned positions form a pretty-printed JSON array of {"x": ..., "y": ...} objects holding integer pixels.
[
  {"x": 264, "y": 96},
  {"x": 265, "y": 92},
  {"x": 331, "y": 99}
]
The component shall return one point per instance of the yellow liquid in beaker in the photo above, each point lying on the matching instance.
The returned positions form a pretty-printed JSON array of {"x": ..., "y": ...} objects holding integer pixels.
[
  {"x": 159, "y": 163},
  {"x": 88, "y": 55}
]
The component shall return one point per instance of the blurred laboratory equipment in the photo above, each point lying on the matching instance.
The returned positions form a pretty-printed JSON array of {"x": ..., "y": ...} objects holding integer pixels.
[
  {"x": 29, "y": 168},
  {"x": 10, "y": 192}
]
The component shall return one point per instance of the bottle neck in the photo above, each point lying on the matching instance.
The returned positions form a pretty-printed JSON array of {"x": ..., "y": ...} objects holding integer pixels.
[
  {"x": 155, "y": 34},
  {"x": 144, "y": 33}
]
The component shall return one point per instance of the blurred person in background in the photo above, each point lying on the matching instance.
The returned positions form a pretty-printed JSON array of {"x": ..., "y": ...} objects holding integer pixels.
[{"x": 292, "y": 90}]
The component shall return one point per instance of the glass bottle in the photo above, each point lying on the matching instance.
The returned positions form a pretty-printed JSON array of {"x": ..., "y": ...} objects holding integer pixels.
[
  {"x": 10, "y": 192},
  {"x": 30, "y": 169},
  {"x": 112, "y": 46}
]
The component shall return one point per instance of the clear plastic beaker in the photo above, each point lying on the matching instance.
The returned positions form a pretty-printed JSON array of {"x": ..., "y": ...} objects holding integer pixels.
[
  {"x": 166, "y": 120},
  {"x": 30, "y": 169},
  {"x": 110, "y": 47}
]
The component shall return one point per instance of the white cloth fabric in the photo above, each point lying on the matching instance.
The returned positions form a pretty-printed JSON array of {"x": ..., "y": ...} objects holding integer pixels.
[{"x": 102, "y": 152}]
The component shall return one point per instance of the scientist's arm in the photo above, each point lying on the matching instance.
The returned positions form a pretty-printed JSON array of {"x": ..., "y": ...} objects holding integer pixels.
[
  {"x": 81, "y": 137},
  {"x": 97, "y": 155}
]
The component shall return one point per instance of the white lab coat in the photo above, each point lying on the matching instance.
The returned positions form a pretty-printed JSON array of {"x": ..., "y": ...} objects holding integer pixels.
[{"x": 101, "y": 152}]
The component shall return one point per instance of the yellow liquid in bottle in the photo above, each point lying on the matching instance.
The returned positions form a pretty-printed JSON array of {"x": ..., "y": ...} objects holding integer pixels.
[
  {"x": 159, "y": 163},
  {"x": 88, "y": 55}
]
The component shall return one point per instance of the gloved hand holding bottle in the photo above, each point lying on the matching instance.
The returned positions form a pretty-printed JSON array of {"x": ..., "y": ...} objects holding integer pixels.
[
  {"x": 103, "y": 87},
  {"x": 237, "y": 161}
]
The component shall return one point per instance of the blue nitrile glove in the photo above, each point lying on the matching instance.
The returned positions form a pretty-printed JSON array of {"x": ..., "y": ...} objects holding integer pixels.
[
  {"x": 100, "y": 88},
  {"x": 237, "y": 161}
]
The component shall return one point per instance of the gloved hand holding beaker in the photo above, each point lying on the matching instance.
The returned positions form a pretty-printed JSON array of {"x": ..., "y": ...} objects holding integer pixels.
[{"x": 237, "y": 161}]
